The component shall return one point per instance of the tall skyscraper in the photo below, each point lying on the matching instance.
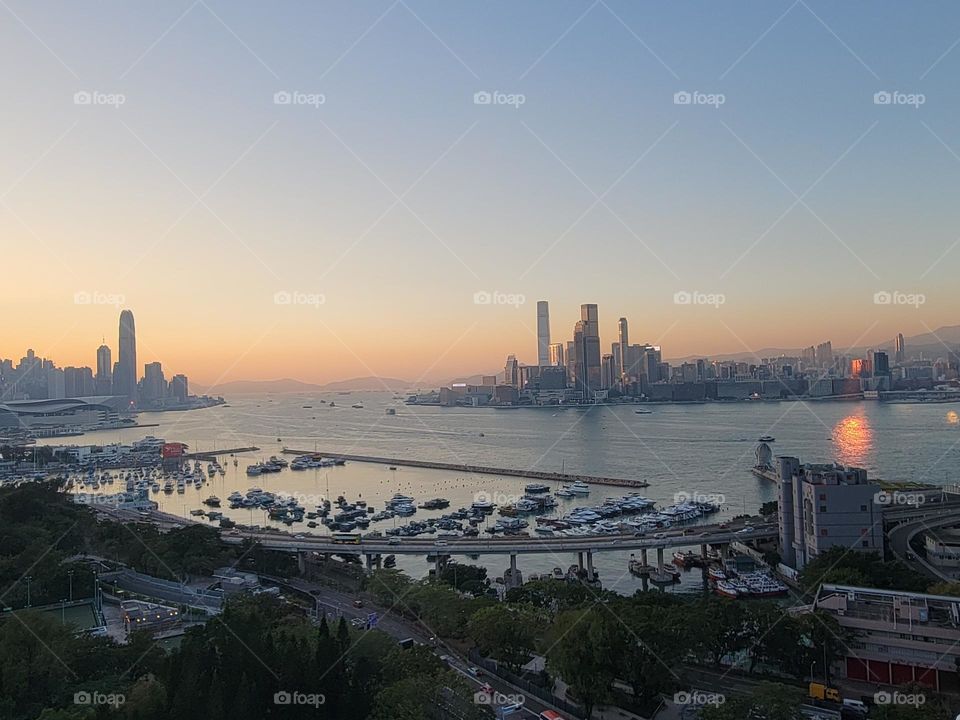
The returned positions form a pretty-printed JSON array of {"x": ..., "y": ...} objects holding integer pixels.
[
  {"x": 543, "y": 333},
  {"x": 511, "y": 372},
  {"x": 898, "y": 349},
  {"x": 125, "y": 377},
  {"x": 104, "y": 378},
  {"x": 622, "y": 348},
  {"x": 586, "y": 340}
]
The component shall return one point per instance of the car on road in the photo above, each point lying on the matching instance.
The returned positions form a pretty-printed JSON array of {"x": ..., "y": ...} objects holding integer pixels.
[
  {"x": 510, "y": 709},
  {"x": 299, "y": 537},
  {"x": 487, "y": 689},
  {"x": 723, "y": 526},
  {"x": 440, "y": 542},
  {"x": 358, "y": 603},
  {"x": 474, "y": 670},
  {"x": 744, "y": 530},
  {"x": 393, "y": 540},
  {"x": 659, "y": 536},
  {"x": 358, "y": 623}
]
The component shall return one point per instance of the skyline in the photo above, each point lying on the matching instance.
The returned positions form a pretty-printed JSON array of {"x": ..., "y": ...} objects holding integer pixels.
[{"x": 188, "y": 189}]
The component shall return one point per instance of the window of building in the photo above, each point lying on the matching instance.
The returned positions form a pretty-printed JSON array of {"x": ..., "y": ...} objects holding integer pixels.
[
  {"x": 823, "y": 532},
  {"x": 823, "y": 508},
  {"x": 823, "y": 496},
  {"x": 863, "y": 508}
]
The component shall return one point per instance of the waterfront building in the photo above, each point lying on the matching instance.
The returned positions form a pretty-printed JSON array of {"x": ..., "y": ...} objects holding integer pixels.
[
  {"x": 558, "y": 357},
  {"x": 511, "y": 374},
  {"x": 824, "y": 354},
  {"x": 899, "y": 637},
  {"x": 154, "y": 384},
  {"x": 104, "y": 377},
  {"x": 943, "y": 548},
  {"x": 586, "y": 338},
  {"x": 623, "y": 343},
  {"x": 125, "y": 372},
  {"x": 607, "y": 377},
  {"x": 823, "y": 506},
  {"x": 543, "y": 333},
  {"x": 898, "y": 349}
]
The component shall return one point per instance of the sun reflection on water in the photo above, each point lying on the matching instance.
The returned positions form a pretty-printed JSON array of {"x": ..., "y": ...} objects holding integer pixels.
[{"x": 853, "y": 440}]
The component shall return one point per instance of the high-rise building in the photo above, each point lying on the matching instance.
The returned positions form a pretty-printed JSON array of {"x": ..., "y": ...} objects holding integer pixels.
[
  {"x": 543, "y": 333},
  {"x": 104, "y": 377},
  {"x": 607, "y": 379},
  {"x": 557, "y": 355},
  {"x": 881, "y": 364},
  {"x": 824, "y": 355},
  {"x": 571, "y": 360},
  {"x": 125, "y": 375},
  {"x": 179, "y": 389},
  {"x": 623, "y": 343},
  {"x": 78, "y": 382},
  {"x": 511, "y": 372},
  {"x": 587, "y": 347},
  {"x": 898, "y": 349},
  {"x": 154, "y": 384}
]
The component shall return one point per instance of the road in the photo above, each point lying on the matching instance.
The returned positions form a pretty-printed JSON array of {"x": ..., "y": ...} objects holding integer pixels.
[
  {"x": 901, "y": 535},
  {"x": 336, "y": 603}
]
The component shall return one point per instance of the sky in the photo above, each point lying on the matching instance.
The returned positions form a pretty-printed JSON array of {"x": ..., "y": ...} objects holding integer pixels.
[{"x": 325, "y": 190}]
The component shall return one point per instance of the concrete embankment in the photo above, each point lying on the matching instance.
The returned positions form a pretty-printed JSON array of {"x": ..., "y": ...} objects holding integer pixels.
[{"x": 479, "y": 469}]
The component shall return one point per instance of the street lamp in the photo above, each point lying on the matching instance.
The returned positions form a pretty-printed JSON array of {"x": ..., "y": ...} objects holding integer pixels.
[
  {"x": 28, "y": 578},
  {"x": 70, "y": 580}
]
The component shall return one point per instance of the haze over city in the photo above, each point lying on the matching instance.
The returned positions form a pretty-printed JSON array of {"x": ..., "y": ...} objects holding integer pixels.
[{"x": 380, "y": 164}]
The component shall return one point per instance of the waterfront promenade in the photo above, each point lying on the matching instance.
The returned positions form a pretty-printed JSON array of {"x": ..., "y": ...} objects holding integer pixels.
[{"x": 479, "y": 469}]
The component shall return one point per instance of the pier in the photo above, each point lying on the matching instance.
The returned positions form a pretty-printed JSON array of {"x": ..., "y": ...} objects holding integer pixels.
[
  {"x": 213, "y": 453},
  {"x": 479, "y": 469}
]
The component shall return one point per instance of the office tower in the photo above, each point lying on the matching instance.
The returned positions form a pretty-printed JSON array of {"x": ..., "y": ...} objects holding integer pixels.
[
  {"x": 78, "y": 382},
  {"x": 543, "y": 333},
  {"x": 154, "y": 384},
  {"x": 511, "y": 372},
  {"x": 607, "y": 379},
  {"x": 623, "y": 343},
  {"x": 587, "y": 346},
  {"x": 571, "y": 360},
  {"x": 104, "y": 378},
  {"x": 898, "y": 349},
  {"x": 125, "y": 375},
  {"x": 881, "y": 364},
  {"x": 179, "y": 389},
  {"x": 825, "y": 354},
  {"x": 557, "y": 355}
]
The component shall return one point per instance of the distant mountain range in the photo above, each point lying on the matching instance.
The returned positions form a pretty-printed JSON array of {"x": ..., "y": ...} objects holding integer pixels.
[
  {"x": 289, "y": 385},
  {"x": 930, "y": 344}
]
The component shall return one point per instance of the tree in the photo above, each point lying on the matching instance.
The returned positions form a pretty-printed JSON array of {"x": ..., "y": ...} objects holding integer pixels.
[
  {"x": 842, "y": 566},
  {"x": 770, "y": 701},
  {"x": 466, "y": 578},
  {"x": 719, "y": 627},
  {"x": 583, "y": 649},
  {"x": 507, "y": 633},
  {"x": 951, "y": 588}
]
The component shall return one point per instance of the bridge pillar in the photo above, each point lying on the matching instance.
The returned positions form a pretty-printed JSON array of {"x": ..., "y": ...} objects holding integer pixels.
[
  {"x": 660, "y": 559},
  {"x": 703, "y": 554},
  {"x": 643, "y": 557},
  {"x": 590, "y": 576},
  {"x": 580, "y": 560},
  {"x": 512, "y": 577},
  {"x": 373, "y": 561},
  {"x": 302, "y": 562}
]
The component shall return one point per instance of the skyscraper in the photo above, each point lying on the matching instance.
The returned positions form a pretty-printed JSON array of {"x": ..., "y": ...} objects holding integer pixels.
[
  {"x": 557, "y": 355},
  {"x": 898, "y": 349},
  {"x": 104, "y": 378},
  {"x": 586, "y": 340},
  {"x": 543, "y": 333},
  {"x": 125, "y": 378},
  {"x": 511, "y": 372},
  {"x": 622, "y": 344}
]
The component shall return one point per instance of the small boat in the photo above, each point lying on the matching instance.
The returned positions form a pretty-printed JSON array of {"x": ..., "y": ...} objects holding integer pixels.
[
  {"x": 579, "y": 488},
  {"x": 357, "y": 406},
  {"x": 212, "y": 501},
  {"x": 766, "y": 439},
  {"x": 644, "y": 412},
  {"x": 537, "y": 488}
]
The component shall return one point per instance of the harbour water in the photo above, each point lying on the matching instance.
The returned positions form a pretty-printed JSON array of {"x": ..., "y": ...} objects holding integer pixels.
[{"x": 702, "y": 449}]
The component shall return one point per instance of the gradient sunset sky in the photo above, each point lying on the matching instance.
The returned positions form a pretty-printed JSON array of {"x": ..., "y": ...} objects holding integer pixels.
[{"x": 199, "y": 198}]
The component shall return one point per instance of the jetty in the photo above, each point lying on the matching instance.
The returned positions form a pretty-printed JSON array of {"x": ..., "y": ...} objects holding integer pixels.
[
  {"x": 477, "y": 469},
  {"x": 210, "y": 454}
]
